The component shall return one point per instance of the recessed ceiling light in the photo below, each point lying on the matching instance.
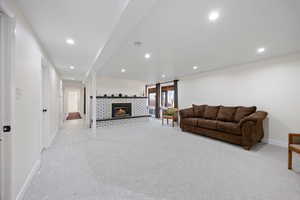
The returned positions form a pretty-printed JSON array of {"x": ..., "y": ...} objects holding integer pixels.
[
  {"x": 123, "y": 70},
  {"x": 72, "y": 67},
  {"x": 147, "y": 55},
  {"x": 163, "y": 76},
  {"x": 213, "y": 16},
  {"x": 70, "y": 41},
  {"x": 195, "y": 67},
  {"x": 261, "y": 50}
]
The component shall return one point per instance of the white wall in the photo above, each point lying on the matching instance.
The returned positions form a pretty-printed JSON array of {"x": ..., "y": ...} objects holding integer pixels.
[
  {"x": 26, "y": 138},
  {"x": 26, "y": 141},
  {"x": 271, "y": 85},
  {"x": 109, "y": 85}
]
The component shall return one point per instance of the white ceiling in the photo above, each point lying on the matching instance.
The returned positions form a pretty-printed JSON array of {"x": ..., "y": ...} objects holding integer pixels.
[
  {"x": 179, "y": 35},
  {"x": 89, "y": 23}
]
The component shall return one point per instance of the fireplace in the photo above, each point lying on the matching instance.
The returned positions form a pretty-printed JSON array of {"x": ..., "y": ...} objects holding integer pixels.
[{"x": 121, "y": 110}]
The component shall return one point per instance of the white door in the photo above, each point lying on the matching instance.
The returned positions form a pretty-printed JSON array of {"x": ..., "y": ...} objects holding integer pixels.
[
  {"x": 45, "y": 132},
  {"x": 73, "y": 101},
  {"x": 6, "y": 103}
]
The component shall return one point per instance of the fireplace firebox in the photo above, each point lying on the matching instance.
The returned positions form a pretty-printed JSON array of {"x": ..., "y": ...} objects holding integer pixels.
[{"x": 121, "y": 110}]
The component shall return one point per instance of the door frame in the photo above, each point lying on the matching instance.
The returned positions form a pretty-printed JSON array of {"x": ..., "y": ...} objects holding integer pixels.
[
  {"x": 45, "y": 104},
  {"x": 7, "y": 101}
]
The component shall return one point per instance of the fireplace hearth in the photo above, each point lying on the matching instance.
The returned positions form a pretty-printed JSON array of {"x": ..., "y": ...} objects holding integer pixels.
[{"x": 120, "y": 110}]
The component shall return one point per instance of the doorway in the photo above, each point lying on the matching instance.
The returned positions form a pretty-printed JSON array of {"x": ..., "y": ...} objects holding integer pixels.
[
  {"x": 152, "y": 101},
  {"x": 7, "y": 38},
  {"x": 161, "y": 97},
  {"x": 73, "y": 104},
  {"x": 73, "y": 101}
]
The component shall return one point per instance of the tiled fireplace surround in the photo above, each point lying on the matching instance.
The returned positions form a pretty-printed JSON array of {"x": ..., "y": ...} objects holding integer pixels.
[{"x": 139, "y": 111}]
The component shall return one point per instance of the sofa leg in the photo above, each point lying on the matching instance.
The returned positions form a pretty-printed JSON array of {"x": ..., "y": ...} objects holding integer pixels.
[{"x": 247, "y": 147}]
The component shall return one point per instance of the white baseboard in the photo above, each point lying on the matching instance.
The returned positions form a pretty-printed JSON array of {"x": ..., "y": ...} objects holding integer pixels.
[
  {"x": 276, "y": 142},
  {"x": 52, "y": 139},
  {"x": 28, "y": 180}
]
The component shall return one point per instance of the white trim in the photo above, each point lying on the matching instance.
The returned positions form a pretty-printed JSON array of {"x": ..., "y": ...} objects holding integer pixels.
[
  {"x": 7, "y": 101},
  {"x": 28, "y": 180},
  {"x": 94, "y": 100},
  {"x": 52, "y": 139},
  {"x": 279, "y": 143},
  {"x": 5, "y": 10}
]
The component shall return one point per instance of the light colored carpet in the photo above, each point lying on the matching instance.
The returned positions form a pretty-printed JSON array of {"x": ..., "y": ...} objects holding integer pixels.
[{"x": 146, "y": 161}]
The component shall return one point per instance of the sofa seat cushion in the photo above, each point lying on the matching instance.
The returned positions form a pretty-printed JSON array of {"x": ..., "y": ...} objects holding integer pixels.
[
  {"x": 209, "y": 124},
  {"x": 199, "y": 110},
  {"x": 229, "y": 127},
  {"x": 190, "y": 121},
  {"x": 243, "y": 112},
  {"x": 211, "y": 112},
  {"x": 226, "y": 113}
]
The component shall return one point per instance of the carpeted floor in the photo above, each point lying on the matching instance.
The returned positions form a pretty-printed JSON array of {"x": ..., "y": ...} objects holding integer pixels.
[
  {"x": 147, "y": 161},
  {"x": 74, "y": 115}
]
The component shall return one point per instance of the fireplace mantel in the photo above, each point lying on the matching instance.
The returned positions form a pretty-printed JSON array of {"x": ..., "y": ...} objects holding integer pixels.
[{"x": 117, "y": 97}]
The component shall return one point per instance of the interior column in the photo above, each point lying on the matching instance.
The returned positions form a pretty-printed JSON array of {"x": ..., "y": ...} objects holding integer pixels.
[
  {"x": 94, "y": 124},
  {"x": 176, "y": 93},
  {"x": 84, "y": 100}
]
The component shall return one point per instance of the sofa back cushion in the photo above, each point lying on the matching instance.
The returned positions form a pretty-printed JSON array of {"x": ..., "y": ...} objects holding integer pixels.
[
  {"x": 190, "y": 121},
  {"x": 199, "y": 110},
  {"x": 242, "y": 112},
  {"x": 226, "y": 113},
  {"x": 211, "y": 112}
]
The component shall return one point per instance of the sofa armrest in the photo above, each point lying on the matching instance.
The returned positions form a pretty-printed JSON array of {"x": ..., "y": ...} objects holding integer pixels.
[
  {"x": 252, "y": 128},
  {"x": 255, "y": 117},
  {"x": 185, "y": 113}
]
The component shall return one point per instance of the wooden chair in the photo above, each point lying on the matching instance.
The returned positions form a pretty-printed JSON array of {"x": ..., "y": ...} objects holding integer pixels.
[
  {"x": 293, "y": 147},
  {"x": 170, "y": 113}
]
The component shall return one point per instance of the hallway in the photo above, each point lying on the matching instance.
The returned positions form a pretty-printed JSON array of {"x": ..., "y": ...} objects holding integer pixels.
[{"x": 147, "y": 161}]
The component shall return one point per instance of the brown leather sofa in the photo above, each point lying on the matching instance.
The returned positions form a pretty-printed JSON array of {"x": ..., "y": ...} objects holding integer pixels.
[{"x": 238, "y": 125}]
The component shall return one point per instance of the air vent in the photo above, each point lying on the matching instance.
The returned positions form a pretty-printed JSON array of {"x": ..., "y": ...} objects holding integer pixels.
[{"x": 137, "y": 43}]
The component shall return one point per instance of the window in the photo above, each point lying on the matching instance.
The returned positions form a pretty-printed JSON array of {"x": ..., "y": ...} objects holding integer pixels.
[
  {"x": 151, "y": 100},
  {"x": 167, "y": 96},
  {"x": 163, "y": 98},
  {"x": 170, "y": 98}
]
